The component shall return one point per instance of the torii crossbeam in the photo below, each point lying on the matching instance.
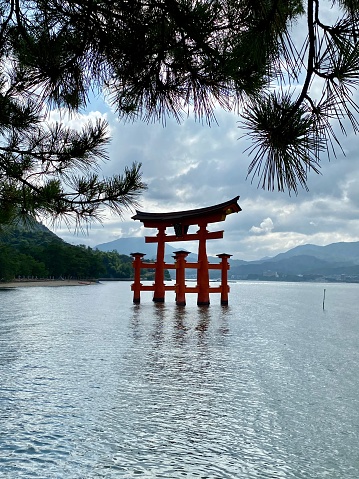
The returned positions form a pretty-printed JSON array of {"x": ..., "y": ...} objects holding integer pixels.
[{"x": 181, "y": 221}]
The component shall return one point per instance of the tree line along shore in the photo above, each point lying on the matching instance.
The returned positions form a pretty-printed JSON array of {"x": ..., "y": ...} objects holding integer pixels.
[{"x": 40, "y": 255}]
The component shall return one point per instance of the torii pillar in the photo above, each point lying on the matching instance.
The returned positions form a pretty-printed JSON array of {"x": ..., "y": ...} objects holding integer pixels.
[
  {"x": 159, "y": 291},
  {"x": 202, "y": 271},
  {"x": 224, "y": 277}
]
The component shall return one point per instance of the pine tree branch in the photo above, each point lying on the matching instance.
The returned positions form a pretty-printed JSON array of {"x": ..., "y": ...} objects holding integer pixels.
[{"x": 311, "y": 53}]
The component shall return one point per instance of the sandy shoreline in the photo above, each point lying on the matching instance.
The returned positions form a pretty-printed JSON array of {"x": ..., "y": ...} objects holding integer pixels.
[{"x": 48, "y": 283}]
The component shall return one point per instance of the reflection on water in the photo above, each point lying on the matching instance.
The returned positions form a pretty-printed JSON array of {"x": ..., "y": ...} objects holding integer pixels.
[
  {"x": 93, "y": 386},
  {"x": 174, "y": 364}
]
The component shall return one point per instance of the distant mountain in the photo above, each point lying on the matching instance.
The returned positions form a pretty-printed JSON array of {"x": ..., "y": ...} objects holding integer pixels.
[
  {"x": 138, "y": 245},
  {"x": 130, "y": 245},
  {"x": 333, "y": 261},
  {"x": 31, "y": 226},
  {"x": 294, "y": 265},
  {"x": 311, "y": 261},
  {"x": 334, "y": 252}
]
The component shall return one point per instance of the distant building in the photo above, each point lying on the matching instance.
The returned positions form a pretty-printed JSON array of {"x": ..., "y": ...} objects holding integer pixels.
[{"x": 270, "y": 274}]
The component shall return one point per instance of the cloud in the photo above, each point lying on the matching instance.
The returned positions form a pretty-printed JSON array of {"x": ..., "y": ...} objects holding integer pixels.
[{"x": 265, "y": 227}]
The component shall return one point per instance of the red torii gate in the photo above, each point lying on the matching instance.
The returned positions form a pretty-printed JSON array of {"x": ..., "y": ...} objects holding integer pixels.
[{"x": 181, "y": 221}]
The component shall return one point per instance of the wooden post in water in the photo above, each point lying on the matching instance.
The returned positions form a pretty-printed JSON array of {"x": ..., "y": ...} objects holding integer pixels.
[
  {"x": 136, "y": 285},
  {"x": 180, "y": 258},
  {"x": 159, "y": 292},
  {"x": 224, "y": 278},
  {"x": 202, "y": 271},
  {"x": 323, "y": 299}
]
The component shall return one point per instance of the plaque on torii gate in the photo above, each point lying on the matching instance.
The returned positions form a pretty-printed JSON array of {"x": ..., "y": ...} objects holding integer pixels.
[{"x": 180, "y": 221}]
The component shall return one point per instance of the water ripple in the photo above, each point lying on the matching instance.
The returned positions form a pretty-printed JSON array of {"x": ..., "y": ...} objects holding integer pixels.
[{"x": 95, "y": 387}]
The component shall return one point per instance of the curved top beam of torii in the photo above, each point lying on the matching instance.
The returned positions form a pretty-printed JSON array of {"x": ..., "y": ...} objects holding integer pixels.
[{"x": 209, "y": 214}]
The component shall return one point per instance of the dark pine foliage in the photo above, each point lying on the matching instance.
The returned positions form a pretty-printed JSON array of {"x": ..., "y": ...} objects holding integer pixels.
[{"x": 158, "y": 58}]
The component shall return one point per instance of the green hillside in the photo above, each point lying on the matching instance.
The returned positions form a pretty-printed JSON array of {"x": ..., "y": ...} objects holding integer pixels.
[{"x": 39, "y": 253}]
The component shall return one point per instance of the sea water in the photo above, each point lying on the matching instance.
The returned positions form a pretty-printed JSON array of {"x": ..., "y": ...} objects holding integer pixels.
[{"x": 93, "y": 386}]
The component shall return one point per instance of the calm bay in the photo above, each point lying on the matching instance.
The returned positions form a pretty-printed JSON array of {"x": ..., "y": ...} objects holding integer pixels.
[{"x": 93, "y": 386}]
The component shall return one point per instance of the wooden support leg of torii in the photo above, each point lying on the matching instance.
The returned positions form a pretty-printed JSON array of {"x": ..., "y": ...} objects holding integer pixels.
[
  {"x": 136, "y": 286},
  {"x": 224, "y": 278},
  {"x": 159, "y": 292},
  {"x": 180, "y": 259},
  {"x": 202, "y": 271}
]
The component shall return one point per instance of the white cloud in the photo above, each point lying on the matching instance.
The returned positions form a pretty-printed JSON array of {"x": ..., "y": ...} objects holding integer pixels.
[
  {"x": 265, "y": 227},
  {"x": 75, "y": 120}
]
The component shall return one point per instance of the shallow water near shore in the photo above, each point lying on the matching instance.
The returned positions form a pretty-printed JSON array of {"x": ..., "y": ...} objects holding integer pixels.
[{"x": 93, "y": 386}]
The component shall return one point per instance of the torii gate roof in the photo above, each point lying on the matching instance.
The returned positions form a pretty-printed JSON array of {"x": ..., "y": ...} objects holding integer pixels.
[{"x": 209, "y": 214}]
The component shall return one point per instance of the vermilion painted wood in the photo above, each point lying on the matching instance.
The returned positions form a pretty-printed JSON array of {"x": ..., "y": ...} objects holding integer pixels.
[{"x": 181, "y": 221}]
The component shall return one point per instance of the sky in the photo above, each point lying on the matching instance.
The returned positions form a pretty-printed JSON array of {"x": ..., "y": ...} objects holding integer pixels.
[{"x": 193, "y": 165}]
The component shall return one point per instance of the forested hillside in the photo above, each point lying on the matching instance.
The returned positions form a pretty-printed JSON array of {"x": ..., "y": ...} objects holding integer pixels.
[{"x": 39, "y": 253}]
